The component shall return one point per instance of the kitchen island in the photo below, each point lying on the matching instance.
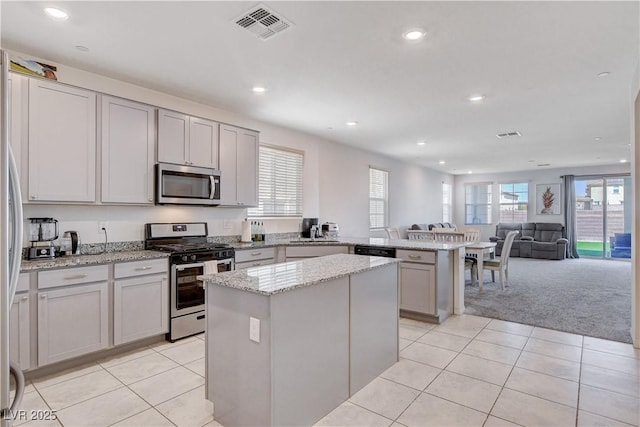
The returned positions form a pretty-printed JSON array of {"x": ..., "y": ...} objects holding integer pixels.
[{"x": 287, "y": 343}]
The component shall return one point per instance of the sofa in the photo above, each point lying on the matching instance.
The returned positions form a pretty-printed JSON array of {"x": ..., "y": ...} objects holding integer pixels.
[
  {"x": 432, "y": 226},
  {"x": 541, "y": 240}
]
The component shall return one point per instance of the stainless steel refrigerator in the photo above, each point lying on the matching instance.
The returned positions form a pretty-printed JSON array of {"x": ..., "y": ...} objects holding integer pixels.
[{"x": 10, "y": 253}]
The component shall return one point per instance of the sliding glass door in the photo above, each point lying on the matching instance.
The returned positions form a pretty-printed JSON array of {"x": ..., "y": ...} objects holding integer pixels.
[{"x": 603, "y": 216}]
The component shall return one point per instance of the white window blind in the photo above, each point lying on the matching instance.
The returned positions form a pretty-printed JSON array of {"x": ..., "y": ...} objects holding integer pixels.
[
  {"x": 279, "y": 183},
  {"x": 446, "y": 203},
  {"x": 477, "y": 203},
  {"x": 378, "y": 197}
]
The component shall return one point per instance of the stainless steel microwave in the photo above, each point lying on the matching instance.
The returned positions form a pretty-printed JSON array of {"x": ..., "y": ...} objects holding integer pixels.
[{"x": 187, "y": 185}]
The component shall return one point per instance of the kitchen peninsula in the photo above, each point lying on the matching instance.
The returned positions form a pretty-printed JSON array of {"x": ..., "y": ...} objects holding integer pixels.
[{"x": 289, "y": 342}]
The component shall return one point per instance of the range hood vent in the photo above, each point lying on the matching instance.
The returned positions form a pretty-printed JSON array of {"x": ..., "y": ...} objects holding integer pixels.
[
  {"x": 263, "y": 22},
  {"x": 508, "y": 134}
]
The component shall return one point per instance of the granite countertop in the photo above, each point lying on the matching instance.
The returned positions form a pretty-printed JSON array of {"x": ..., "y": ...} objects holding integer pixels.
[
  {"x": 81, "y": 260},
  {"x": 352, "y": 241},
  {"x": 276, "y": 278}
]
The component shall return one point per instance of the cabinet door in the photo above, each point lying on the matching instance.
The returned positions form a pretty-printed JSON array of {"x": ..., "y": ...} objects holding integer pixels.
[
  {"x": 18, "y": 126},
  {"x": 173, "y": 137},
  {"x": 72, "y": 321},
  {"x": 228, "y": 165},
  {"x": 19, "y": 331},
  {"x": 133, "y": 320},
  {"x": 128, "y": 151},
  {"x": 62, "y": 143},
  {"x": 203, "y": 143},
  {"x": 418, "y": 288},
  {"x": 247, "y": 168}
]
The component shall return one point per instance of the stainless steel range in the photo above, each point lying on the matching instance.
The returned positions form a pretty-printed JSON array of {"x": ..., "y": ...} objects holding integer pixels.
[{"x": 191, "y": 256}]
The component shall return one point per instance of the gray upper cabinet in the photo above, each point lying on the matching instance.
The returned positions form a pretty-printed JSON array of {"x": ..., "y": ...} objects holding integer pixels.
[
  {"x": 128, "y": 151},
  {"x": 238, "y": 166},
  {"x": 62, "y": 143},
  {"x": 187, "y": 140}
]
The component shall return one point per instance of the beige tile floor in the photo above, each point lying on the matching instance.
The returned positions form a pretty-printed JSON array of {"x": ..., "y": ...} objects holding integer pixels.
[{"x": 468, "y": 371}]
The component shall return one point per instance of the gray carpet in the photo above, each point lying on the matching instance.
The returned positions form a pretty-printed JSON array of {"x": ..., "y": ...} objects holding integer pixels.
[{"x": 583, "y": 296}]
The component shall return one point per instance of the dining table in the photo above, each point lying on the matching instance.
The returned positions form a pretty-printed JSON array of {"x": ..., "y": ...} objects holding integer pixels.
[{"x": 480, "y": 250}]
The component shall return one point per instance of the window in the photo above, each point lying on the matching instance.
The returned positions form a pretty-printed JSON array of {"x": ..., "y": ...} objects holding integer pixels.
[
  {"x": 279, "y": 183},
  {"x": 378, "y": 197},
  {"x": 477, "y": 203},
  {"x": 514, "y": 202},
  {"x": 446, "y": 202}
]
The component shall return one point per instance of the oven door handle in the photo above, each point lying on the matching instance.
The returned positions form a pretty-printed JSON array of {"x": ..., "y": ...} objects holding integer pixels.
[{"x": 183, "y": 267}]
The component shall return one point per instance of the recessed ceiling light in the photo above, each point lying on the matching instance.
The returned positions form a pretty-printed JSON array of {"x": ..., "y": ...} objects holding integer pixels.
[
  {"x": 259, "y": 89},
  {"x": 442, "y": 162},
  {"x": 476, "y": 98},
  {"x": 415, "y": 34},
  {"x": 352, "y": 123},
  {"x": 421, "y": 143},
  {"x": 469, "y": 172},
  {"x": 604, "y": 74},
  {"x": 623, "y": 160},
  {"x": 597, "y": 138},
  {"x": 82, "y": 48},
  {"x": 57, "y": 14}
]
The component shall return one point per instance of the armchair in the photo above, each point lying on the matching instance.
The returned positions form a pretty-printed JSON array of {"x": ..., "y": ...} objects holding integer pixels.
[{"x": 620, "y": 245}]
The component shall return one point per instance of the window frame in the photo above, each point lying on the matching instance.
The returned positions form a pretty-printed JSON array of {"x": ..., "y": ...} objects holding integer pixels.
[
  {"x": 488, "y": 204},
  {"x": 515, "y": 205},
  {"x": 447, "y": 202},
  {"x": 384, "y": 199},
  {"x": 257, "y": 212}
]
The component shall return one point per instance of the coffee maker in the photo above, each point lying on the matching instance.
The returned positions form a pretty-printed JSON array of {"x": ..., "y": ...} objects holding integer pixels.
[
  {"x": 42, "y": 233},
  {"x": 307, "y": 223}
]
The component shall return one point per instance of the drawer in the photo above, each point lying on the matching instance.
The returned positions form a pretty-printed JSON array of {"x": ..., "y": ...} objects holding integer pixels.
[
  {"x": 426, "y": 257},
  {"x": 256, "y": 263},
  {"x": 23, "y": 282},
  {"x": 140, "y": 268},
  {"x": 314, "y": 251},
  {"x": 72, "y": 276},
  {"x": 246, "y": 255}
]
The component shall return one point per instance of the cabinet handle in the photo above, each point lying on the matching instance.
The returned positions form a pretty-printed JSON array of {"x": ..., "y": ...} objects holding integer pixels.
[
  {"x": 256, "y": 264},
  {"x": 151, "y": 199},
  {"x": 143, "y": 268},
  {"x": 43, "y": 296},
  {"x": 415, "y": 257},
  {"x": 24, "y": 298},
  {"x": 76, "y": 276},
  {"x": 256, "y": 253},
  {"x": 33, "y": 196}
]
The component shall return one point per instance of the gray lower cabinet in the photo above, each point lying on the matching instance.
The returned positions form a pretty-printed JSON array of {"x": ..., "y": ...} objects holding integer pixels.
[
  {"x": 255, "y": 257},
  {"x": 418, "y": 282},
  {"x": 19, "y": 331},
  {"x": 133, "y": 320},
  {"x": 72, "y": 321}
]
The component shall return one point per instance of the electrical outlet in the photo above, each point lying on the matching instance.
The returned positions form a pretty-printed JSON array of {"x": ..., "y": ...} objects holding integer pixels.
[
  {"x": 101, "y": 225},
  {"x": 254, "y": 329}
]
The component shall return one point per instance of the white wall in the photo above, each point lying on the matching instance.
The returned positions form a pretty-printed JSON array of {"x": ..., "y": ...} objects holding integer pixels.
[
  {"x": 335, "y": 179},
  {"x": 543, "y": 176}
]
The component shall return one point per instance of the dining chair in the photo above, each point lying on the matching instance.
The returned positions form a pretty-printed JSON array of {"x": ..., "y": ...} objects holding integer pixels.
[
  {"x": 471, "y": 234},
  {"x": 393, "y": 232},
  {"x": 448, "y": 235},
  {"x": 472, "y": 265},
  {"x": 501, "y": 264}
]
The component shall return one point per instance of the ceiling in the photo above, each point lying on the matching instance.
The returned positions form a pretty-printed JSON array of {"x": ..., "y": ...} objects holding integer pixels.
[{"x": 537, "y": 64}]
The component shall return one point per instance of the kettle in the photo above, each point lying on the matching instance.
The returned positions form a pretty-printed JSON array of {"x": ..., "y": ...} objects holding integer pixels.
[{"x": 70, "y": 243}]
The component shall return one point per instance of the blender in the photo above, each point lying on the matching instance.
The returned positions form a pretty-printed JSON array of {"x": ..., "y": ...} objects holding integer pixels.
[{"x": 42, "y": 233}]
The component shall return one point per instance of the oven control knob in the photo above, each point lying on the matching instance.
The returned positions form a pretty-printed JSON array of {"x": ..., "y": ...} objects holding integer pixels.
[
  {"x": 184, "y": 258},
  {"x": 193, "y": 257}
]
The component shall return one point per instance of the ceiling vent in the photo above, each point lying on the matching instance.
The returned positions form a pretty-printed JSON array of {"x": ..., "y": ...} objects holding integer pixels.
[
  {"x": 263, "y": 22},
  {"x": 508, "y": 134}
]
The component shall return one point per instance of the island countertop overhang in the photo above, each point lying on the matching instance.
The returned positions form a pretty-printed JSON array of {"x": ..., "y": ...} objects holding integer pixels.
[{"x": 276, "y": 278}]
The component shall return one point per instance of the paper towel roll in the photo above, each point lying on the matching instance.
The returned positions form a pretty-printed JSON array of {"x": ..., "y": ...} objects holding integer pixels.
[{"x": 246, "y": 231}]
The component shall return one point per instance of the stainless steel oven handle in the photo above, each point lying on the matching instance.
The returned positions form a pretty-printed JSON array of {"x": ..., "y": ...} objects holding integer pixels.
[
  {"x": 212, "y": 186},
  {"x": 182, "y": 267}
]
